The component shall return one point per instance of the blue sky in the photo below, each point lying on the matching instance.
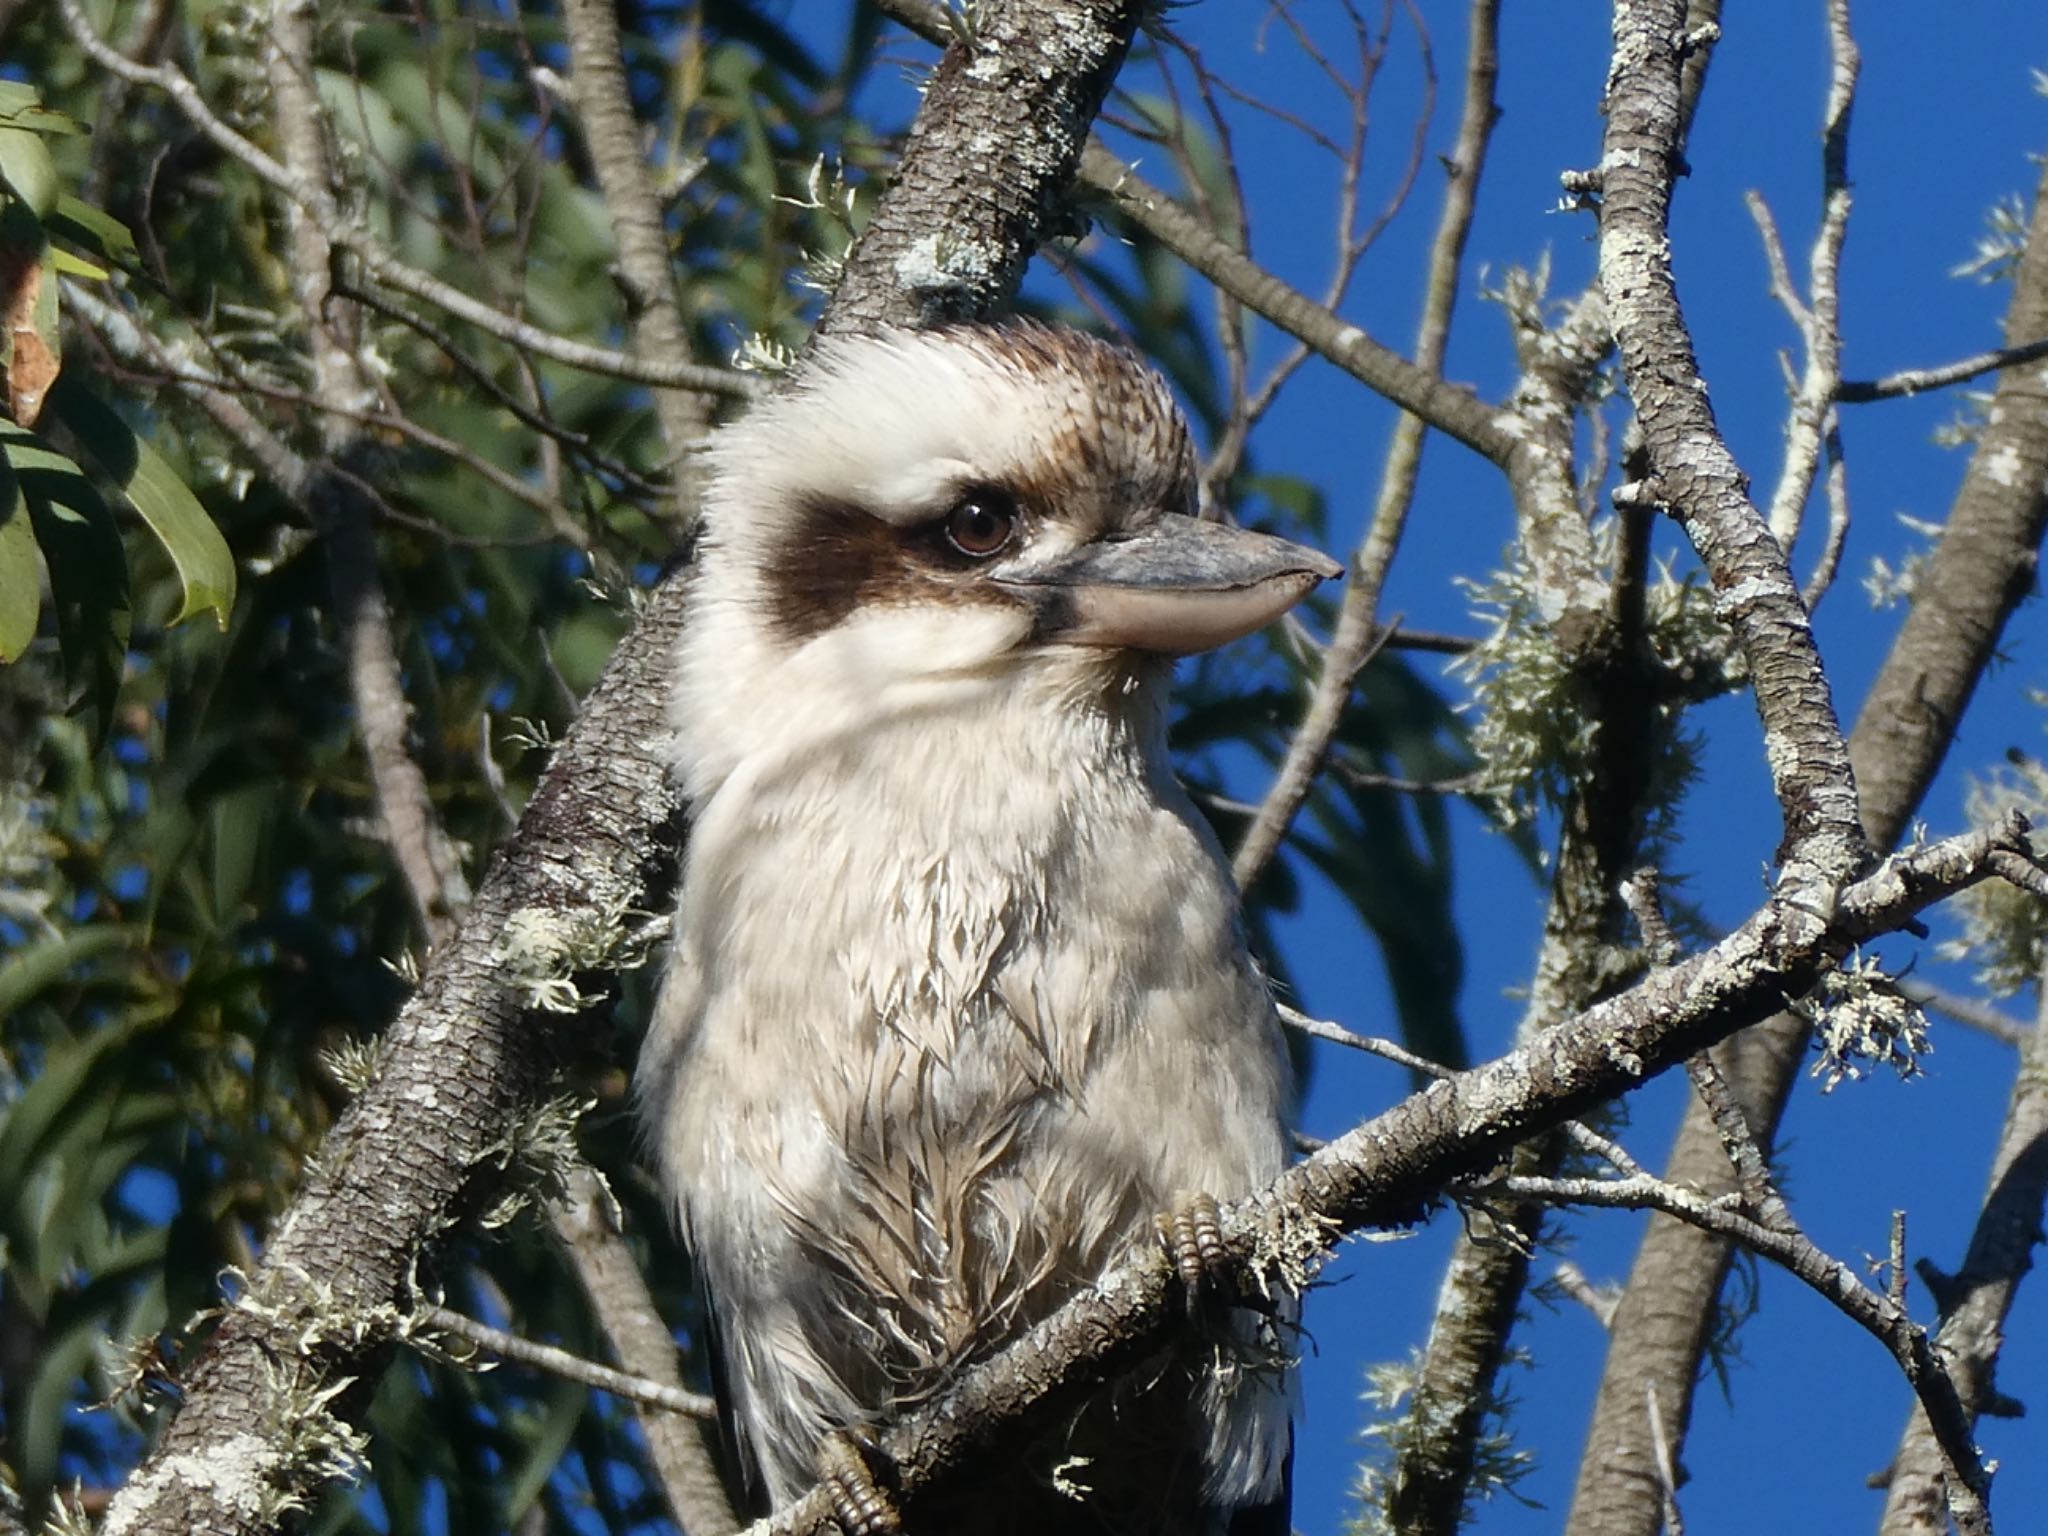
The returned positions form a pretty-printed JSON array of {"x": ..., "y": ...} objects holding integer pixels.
[{"x": 1947, "y": 120}]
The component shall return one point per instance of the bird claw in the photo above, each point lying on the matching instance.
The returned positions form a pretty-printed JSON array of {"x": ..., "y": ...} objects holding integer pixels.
[
  {"x": 859, "y": 1502},
  {"x": 1191, "y": 1232}
]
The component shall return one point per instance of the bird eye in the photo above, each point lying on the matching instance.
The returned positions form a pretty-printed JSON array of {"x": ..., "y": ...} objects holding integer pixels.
[{"x": 981, "y": 523}]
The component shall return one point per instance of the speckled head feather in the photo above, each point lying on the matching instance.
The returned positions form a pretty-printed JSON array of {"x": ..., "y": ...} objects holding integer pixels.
[{"x": 823, "y": 555}]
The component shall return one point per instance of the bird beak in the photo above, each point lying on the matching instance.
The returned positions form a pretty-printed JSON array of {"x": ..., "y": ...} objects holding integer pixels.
[{"x": 1176, "y": 586}]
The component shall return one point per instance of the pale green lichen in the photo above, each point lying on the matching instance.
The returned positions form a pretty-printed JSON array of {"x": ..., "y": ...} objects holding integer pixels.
[
  {"x": 1861, "y": 1019},
  {"x": 1887, "y": 585},
  {"x": 28, "y": 852},
  {"x": 763, "y": 354},
  {"x": 543, "y": 951},
  {"x": 67, "y": 1515},
  {"x": 355, "y": 1063},
  {"x": 535, "y": 1156},
  {"x": 1535, "y": 725},
  {"x": 1997, "y": 252},
  {"x": 1401, "y": 1427},
  {"x": 2004, "y": 930}
]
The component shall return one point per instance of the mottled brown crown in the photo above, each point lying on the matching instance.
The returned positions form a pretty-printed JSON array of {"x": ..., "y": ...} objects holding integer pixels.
[{"x": 846, "y": 477}]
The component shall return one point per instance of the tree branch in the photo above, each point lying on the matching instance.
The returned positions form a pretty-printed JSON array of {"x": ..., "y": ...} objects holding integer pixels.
[
  {"x": 604, "y": 106},
  {"x": 1389, "y": 1169},
  {"x": 570, "y": 1367},
  {"x": 1354, "y": 641},
  {"x": 1964, "y": 596},
  {"x": 1975, "y": 1301},
  {"x": 1692, "y": 472},
  {"x": 1915, "y": 381}
]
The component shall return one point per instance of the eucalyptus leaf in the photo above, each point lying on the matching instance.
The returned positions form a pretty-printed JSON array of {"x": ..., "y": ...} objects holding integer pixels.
[
  {"x": 88, "y": 569},
  {"x": 78, "y": 223},
  {"x": 205, "y": 566},
  {"x": 26, "y": 167},
  {"x": 21, "y": 575},
  {"x": 35, "y": 966}
]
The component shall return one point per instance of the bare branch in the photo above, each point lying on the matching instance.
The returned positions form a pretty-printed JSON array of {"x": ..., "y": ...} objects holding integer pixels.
[
  {"x": 1906, "y": 1341},
  {"x": 1819, "y": 319},
  {"x": 612, "y": 133},
  {"x": 1976, "y": 1300},
  {"x": 1455, "y": 412},
  {"x": 1025, "y": 85},
  {"x": 1964, "y": 597},
  {"x": 681, "y": 1451},
  {"x": 1355, "y": 640},
  {"x": 1379, "y": 1171},
  {"x": 1916, "y": 381},
  {"x": 1692, "y": 471},
  {"x": 570, "y": 1367}
]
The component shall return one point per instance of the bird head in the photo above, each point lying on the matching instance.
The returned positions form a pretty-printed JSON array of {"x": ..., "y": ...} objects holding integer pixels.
[{"x": 922, "y": 518}]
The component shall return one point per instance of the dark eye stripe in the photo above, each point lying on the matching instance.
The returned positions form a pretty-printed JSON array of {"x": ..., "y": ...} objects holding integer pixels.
[{"x": 835, "y": 556}]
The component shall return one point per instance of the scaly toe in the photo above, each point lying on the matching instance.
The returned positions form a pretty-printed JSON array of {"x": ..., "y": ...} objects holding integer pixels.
[
  {"x": 1191, "y": 1231},
  {"x": 859, "y": 1503}
]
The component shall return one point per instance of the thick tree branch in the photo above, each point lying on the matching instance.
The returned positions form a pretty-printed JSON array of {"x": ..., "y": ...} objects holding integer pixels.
[
  {"x": 1976, "y": 1299},
  {"x": 1692, "y": 472},
  {"x": 604, "y": 107},
  {"x": 681, "y": 1450},
  {"x": 335, "y": 497},
  {"x": 1005, "y": 117},
  {"x": 1389, "y": 1169}
]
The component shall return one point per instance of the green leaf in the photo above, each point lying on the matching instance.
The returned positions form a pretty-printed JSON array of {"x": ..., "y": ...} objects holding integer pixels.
[
  {"x": 69, "y": 265},
  {"x": 78, "y": 223},
  {"x": 26, "y": 167},
  {"x": 40, "y": 1112},
  {"x": 21, "y": 106},
  {"x": 205, "y": 566},
  {"x": 21, "y": 575},
  {"x": 543, "y": 1451},
  {"x": 241, "y": 827},
  {"x": 31, "y": 968},
  {"x": 88, "y": 570}
]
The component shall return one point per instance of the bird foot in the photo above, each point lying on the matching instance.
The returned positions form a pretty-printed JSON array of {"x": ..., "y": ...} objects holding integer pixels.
[
  {"x": 859, "y": 1502},
  {"x": 1191, "y": 1232}
]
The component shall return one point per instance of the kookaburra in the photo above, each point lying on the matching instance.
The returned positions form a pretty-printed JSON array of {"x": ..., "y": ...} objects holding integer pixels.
[{"x": 959, "y": 998}]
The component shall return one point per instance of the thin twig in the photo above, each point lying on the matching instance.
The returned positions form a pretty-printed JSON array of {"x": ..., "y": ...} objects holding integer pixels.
[
  {"x": 1905, "y": 1340},
  {"x": 1357, "y": 636},
  {"x": 568, "y": 1366},
  {"x": 1811, "y": 420},
  {"x": 1908, "y": 382},
  {"x": 379, "y": 260}
]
